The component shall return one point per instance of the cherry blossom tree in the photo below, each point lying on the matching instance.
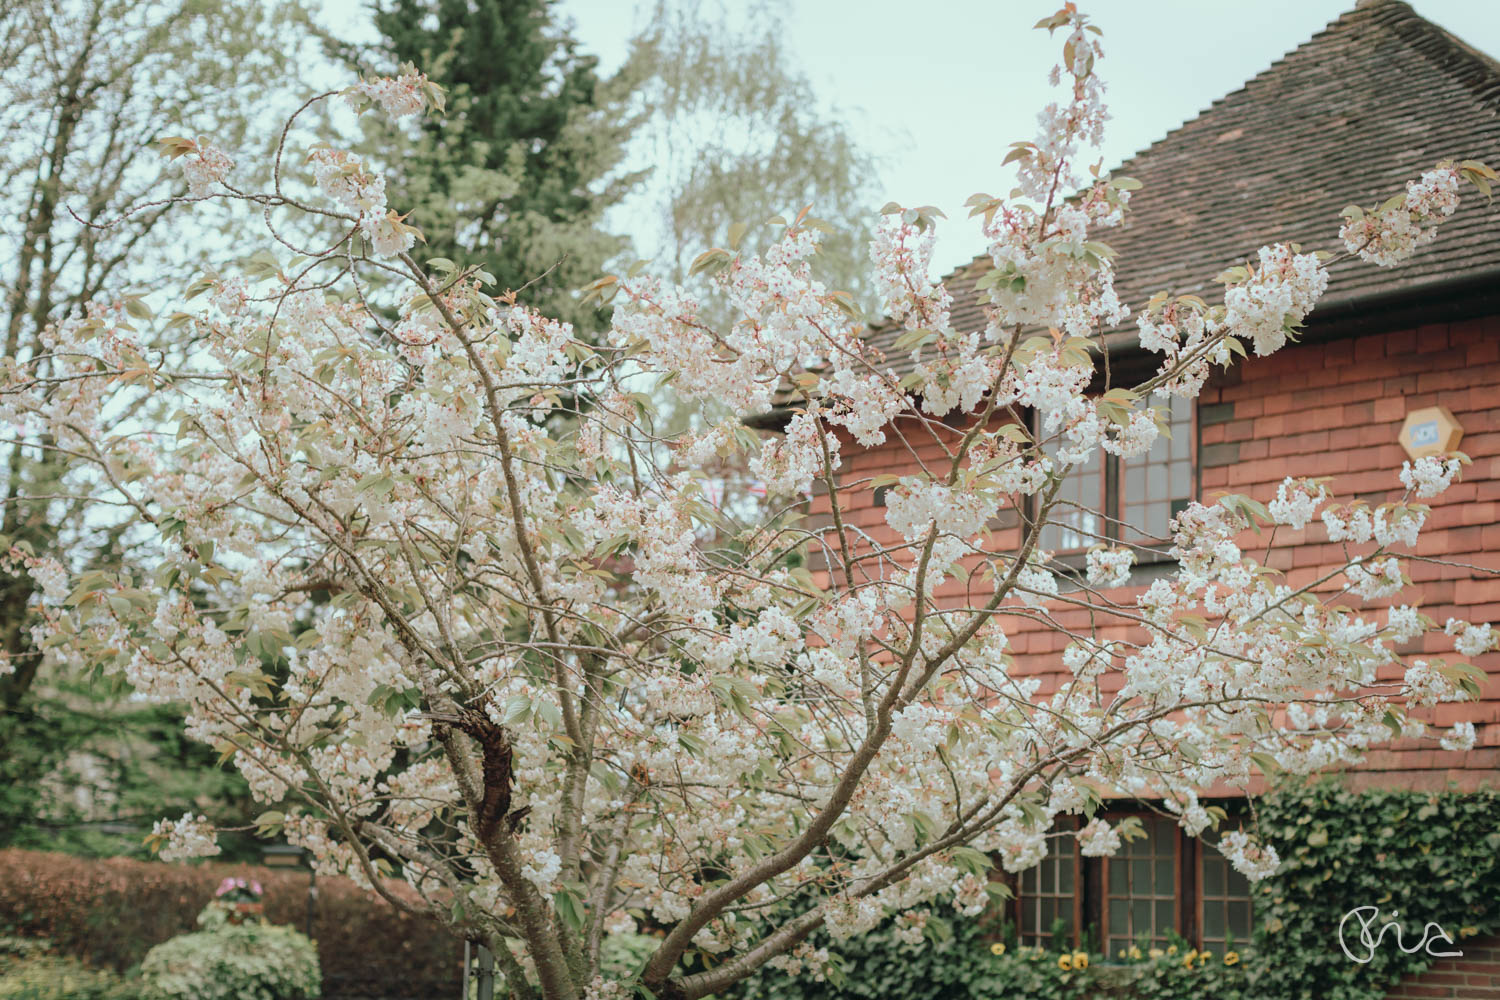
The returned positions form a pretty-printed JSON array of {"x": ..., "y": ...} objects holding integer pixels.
[{"x": 430, "y": 578}]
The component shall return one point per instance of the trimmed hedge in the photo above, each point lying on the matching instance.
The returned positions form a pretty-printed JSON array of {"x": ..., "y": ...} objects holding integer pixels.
[{"x": 110, "y": 912}]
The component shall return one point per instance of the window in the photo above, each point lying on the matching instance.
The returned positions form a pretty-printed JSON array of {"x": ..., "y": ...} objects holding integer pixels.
[
  {"x": 1224, "y": 901},
  {"x": 1163, "y": 883},
  {"x": 1141, "y": 888},
  {"x": 1159, "y": 483},
  {"x": 1075, "y": 522},
  {"x": 1144, "y": 492},
  {"x": 1049, "y": 894}
]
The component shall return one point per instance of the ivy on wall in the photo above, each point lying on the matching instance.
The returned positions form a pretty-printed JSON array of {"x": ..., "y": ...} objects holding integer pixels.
[{"x": 1418, "y": 857}]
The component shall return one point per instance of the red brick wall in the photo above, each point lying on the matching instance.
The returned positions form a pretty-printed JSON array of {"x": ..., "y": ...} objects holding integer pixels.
[
  {"x": 1320, "y": 409},
  {"x": 1475, "y": 976}
]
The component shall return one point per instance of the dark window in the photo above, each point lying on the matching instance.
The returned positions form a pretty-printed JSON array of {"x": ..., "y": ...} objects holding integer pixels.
[
  {"x": 1162, "y": 883},
  {"x": 1048, "y": 894},
  {"x": 1225, "y": 901},
  {"x": 1144, "y": 492},
  {"x": 1140, "y": 887}
]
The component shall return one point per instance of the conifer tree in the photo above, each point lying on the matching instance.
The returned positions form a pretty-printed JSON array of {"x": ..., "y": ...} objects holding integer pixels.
[{"x": 517, "y": 175}]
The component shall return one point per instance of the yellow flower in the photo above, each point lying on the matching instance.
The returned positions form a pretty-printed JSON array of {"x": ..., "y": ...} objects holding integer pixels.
[
  {"x": 1080, "y": 960},
  {"x": 1187, "y": 960},
  {"x": 1204, "y": 957},
  {"x": 998, "y": 948},
  {"x": 1135, "y": 953},
  {"x": 1171, "y": 949},
  {"x": 1156, "y": 953},
  {"x": 1231, "y": 958},
  {"x": 1120, "y": 953},
  {"x": 1065, "y": 962}
]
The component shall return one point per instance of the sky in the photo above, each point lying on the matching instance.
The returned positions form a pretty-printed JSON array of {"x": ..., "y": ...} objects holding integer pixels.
[{"x": 940, "y": 88}]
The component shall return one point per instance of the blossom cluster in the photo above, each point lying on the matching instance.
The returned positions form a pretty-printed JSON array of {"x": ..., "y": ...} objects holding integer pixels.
[
  {"x": 1391, "y": 233},
  {"x": 204, "y": 167},
  {"x": 188, "y": 837},
  {"x": 345, "y": 178},
  {"x": 407, "y": 93},
  {"x": 1275, "y": 298}
]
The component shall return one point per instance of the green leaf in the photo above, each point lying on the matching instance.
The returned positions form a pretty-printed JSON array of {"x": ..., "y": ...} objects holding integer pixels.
[{"x": 568, "y": 908}]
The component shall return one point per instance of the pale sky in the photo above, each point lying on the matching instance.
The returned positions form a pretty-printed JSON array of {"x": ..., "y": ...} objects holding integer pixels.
[{"x": 940, "y": 88}]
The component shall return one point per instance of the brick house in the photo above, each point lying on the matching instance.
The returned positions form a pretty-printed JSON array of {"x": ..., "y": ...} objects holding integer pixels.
[{"x": 1275, "y": 161}]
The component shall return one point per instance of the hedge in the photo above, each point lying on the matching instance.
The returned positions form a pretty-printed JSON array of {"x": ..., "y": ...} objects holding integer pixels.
[{"x": 110, "y": 912}]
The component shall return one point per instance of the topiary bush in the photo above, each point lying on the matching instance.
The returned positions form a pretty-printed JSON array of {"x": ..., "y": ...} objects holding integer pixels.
[{"x": 225, "y": 961}]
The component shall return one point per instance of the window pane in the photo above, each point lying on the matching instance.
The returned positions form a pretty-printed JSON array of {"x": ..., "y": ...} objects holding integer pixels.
[
  {"x": 1213, "y": 921},
  {"x": 1073, "y": 522},
  {"x": 1151, "y": 482},
  {"x": 1213, "y": 875},
  {"x": 1239, "y": 918},
  {"x": 1142, "y": 887},
  {"x": 1046, "y": 892},
  {"x": 1180, "y": 479},
  {"x": 1226, "y": 900}
]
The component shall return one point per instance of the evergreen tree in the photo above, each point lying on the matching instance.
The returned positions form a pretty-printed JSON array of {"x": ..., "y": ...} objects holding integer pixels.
[{"x": 517, "y": 175}]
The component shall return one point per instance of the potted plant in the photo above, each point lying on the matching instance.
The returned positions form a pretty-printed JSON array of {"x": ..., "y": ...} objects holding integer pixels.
[{"x": 241, "y": 897}]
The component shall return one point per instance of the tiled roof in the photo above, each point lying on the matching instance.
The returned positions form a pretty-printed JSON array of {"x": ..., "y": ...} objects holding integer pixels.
[{"x": 1347, "y": 117}]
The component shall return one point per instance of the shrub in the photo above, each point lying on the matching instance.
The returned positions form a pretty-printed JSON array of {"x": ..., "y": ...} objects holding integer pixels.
[
  {"x": 110, "y": 912},
  {"x": 28, "y": 972},
  {"x": 225, "y": 961}
]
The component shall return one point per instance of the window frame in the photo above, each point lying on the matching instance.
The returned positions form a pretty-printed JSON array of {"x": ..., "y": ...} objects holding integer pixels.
[
  {"x": 1018, "y": 900},
  {"x": 1112, "y": 500},
  {"x": 1179, "y": 865},
  {"x": 1091, "y": 886}
]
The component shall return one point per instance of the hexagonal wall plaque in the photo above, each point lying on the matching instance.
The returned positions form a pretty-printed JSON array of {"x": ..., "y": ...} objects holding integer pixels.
[{"x": 1431, "y": 430}]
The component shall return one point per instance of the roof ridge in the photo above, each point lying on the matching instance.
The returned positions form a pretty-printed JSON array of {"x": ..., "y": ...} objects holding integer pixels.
[{"x": 1476, "y": 60}]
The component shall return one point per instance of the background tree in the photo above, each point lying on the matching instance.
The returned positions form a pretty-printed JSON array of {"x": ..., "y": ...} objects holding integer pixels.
[
  {"x": 522, "y": 663},
  {"x": 517, "y": 176},
  {"x": 86, "y": 86},
  {"x": 734, "y": 132}
]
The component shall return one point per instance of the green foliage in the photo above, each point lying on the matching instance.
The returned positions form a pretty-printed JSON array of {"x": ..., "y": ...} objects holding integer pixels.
[
  {"x": 224, "y": 961},
  {"x": 516, "y": 176},
  {"x": 1430, "y": 857},
  {"x": 622, "y": 955},
  {"x": 736, "y": 135},
  {"x": 28, "y": 972},
  {"x": 87, "y": 771}
]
